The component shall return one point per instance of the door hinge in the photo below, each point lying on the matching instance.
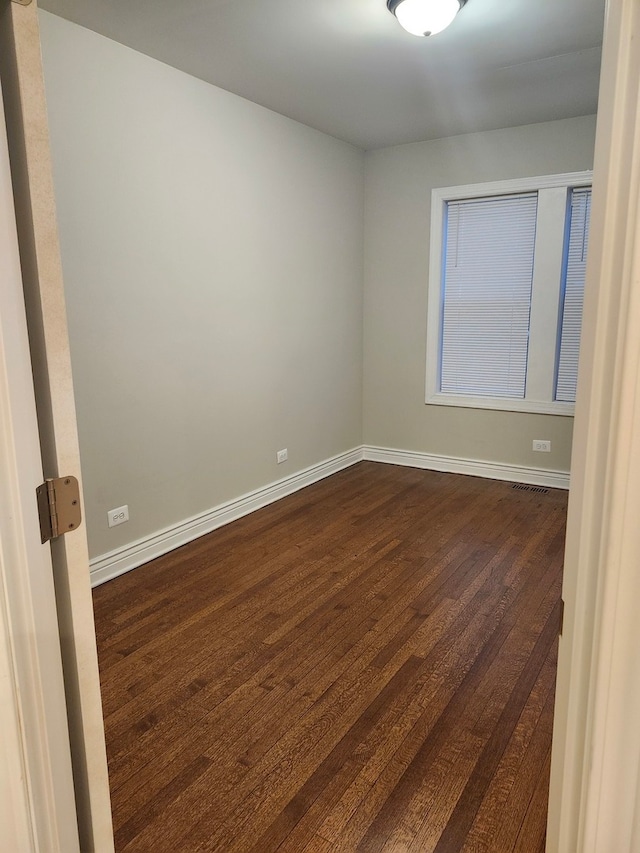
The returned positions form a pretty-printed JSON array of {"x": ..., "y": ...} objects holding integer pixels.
[
  {"x": 561, "y": 616},
  {"x": 58, "y": 507}
]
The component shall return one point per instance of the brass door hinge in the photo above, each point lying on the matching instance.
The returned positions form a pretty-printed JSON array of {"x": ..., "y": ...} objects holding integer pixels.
[
  {"x": 58, "y": 507},
  {"x": 561, "y": 616}
]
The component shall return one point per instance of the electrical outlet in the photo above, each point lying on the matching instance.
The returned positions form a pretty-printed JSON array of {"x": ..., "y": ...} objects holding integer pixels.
[
  {"x": 543, "y": 446},
  {"x": 282, "y": 456},
  {"x": 118, "y": 515}
]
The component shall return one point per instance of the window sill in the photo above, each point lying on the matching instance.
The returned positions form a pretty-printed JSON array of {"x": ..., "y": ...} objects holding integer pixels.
[{"x": 535, "y": 407}]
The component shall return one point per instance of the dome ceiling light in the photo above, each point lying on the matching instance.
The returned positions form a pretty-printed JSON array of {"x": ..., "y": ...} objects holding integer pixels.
[{"x": 425, "y": 17}]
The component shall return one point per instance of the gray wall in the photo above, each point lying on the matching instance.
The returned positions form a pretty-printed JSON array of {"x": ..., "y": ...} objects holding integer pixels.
[
  {"x": 398, "y": 184},
  {"x": 212, "y": 255}
]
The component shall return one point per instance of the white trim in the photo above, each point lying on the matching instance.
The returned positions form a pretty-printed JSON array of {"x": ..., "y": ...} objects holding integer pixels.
[
  {"x": 513, "y": 185},
  {"x": 595, "y": 761},
  {"x": 117, "y": 562},
  {"x": 85, "y": 822},
  {"x": 531, "y": 407},
  {"x": 472, "y": 467},
  {"x": 16, "y": 802},
  {"x": 122, "y": 560},
  {"x": 546, "y": 302},
  {"x": 38, "y": 811}
]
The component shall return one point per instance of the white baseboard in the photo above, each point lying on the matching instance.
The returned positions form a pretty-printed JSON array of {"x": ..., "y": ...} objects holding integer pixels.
[
  {"x": 474, "y": 467},
  {"x": 122, "y": 560}
]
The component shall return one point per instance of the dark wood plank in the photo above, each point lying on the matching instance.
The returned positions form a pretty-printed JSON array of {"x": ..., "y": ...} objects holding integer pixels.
[
  {"x": 501, "y": 811},
  {"x": 366, "y": 665},
  {"x": 449, "y": 718},
  {"x": 467, "y": 806},
  {"x": 532, "y": 835}
]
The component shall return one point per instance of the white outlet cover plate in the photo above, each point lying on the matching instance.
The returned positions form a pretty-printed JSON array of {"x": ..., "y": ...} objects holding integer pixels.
[
  {"x": 541, "y": 445},
  {"x": 282, "y": 456},
  {"x": 118, "y": 515}
]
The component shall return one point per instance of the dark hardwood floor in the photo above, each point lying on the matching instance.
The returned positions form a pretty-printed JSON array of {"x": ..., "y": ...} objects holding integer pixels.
[{"x": 367, "y": 665}]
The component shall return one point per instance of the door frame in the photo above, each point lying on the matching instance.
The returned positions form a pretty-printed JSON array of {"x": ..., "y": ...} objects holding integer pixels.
[
  {"x": 47, "y": 366},
  {"x": 37, "y": 782},
  {"x": 596, "y": 740}
]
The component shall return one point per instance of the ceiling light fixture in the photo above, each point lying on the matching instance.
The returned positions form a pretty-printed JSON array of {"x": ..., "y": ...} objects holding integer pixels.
[{"x": 425, "y": 17}]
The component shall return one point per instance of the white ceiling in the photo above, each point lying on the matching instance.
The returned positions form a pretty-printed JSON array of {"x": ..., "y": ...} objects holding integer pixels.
[{"x": 347, "y": 68}]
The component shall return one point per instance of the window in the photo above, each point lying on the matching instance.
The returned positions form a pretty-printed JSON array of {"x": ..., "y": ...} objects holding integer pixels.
[{"x": 505, "y": 293}]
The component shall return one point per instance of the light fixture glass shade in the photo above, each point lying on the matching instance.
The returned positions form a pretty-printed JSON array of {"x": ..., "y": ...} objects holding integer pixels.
[{"x": 425, "y": 17}]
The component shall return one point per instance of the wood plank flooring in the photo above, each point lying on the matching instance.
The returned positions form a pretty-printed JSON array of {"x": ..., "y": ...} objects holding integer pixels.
[{"x": 365, "y": 666}]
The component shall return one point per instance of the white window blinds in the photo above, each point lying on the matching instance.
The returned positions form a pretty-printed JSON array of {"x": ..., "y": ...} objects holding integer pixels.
[
  {"x": 573, "y": 294},
  {"x": 488, "y": 274}
]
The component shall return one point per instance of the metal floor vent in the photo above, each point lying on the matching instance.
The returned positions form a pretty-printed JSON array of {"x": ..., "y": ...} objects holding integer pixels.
[{"x": 522, "y": 487}]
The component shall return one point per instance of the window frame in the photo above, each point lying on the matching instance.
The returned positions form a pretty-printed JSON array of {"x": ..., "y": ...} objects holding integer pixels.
[{"x": 553, "y": 195}]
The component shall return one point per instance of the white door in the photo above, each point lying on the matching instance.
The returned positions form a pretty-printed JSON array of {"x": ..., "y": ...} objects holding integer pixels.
[
  {"x": 45, "y": 597},
  {"x": 594, "y": 804}
]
